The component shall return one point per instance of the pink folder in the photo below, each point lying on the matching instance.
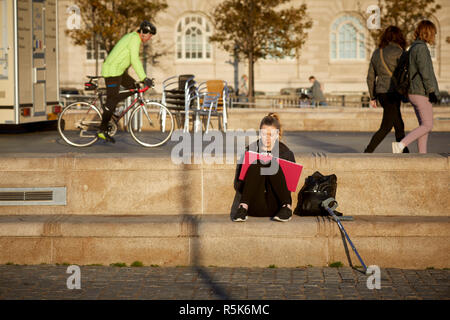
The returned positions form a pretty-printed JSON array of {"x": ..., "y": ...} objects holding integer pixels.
[{"x": 291, "y": 170}]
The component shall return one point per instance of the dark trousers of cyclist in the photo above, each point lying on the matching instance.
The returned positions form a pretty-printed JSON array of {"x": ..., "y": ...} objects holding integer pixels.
[
  {"x": 264, "y": 194},
  {"x": 113, "y": 97},
  {"x": 392, "y": 117}
]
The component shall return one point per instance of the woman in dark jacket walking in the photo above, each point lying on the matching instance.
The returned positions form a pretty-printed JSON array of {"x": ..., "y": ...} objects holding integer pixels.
[
  {"x": 423, "y": 88},
  {"x": 381, "y": 87},
  {"x": 265, "y": 195}
]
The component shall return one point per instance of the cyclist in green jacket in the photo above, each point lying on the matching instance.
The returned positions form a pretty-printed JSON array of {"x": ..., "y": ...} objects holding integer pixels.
[{"x": 114, "y": 70}]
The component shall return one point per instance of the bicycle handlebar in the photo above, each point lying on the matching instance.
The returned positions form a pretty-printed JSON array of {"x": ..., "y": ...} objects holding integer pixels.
[
  {"x": 139, "y": 89},
  {"x": 142, "y": 90}
]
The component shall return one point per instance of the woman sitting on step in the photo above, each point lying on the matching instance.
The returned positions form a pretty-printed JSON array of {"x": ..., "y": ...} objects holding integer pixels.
[{"x": 265, "y": 195}]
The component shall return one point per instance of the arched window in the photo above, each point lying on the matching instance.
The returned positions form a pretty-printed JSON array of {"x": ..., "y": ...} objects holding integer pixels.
[
  {"x": 348, "y": 40},
  {"x": 193, "y": 34}
]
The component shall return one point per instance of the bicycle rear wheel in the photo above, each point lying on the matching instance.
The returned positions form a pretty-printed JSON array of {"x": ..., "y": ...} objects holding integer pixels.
[
  {"x": 151, "y": 124},
  {"x": 78, "y": 124}
]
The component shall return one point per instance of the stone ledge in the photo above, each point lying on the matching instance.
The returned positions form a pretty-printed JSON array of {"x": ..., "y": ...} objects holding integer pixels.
[
  {"x": 388, "y": 241},
  {"x": 55, "y": 162},
  {"x": 331, "y": 118},
  {"x": 406, "y": 184},
  {"x": 216, "y": 226}
]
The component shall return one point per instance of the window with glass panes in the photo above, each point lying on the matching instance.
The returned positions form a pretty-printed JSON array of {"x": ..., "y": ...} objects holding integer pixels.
[
  {"x": 90, "y": 51},
  {"x": 348, "y": 40},
  {"x": 193, "y": 32}
]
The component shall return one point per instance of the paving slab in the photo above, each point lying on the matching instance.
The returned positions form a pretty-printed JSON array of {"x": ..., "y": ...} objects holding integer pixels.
[{"x": 49, "y": 282}]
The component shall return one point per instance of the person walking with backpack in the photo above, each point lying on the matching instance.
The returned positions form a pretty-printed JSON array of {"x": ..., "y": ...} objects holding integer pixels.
[
  {"x": 382, "y": 88},
  {"x": 423, "y": 87}
]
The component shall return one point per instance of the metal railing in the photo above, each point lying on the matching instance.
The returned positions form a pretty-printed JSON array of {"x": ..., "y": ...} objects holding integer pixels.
[
  {"x": 274, "y": 102},
  {"x": 291, "y": 101}
]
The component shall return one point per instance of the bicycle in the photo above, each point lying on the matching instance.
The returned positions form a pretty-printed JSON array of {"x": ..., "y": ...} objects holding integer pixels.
[{"x": 150, "y": 124}]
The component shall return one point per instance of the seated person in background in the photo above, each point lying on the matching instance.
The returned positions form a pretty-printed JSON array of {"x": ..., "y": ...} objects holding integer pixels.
[
  {"x": 265, "y": 195},
  {"x": 317, "y": 97}
]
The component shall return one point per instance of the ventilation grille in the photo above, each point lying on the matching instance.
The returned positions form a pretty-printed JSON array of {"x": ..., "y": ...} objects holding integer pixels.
[{"x": 32, "y": 196}]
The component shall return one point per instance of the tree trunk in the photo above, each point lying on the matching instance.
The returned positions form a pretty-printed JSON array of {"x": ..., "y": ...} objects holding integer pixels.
[
  {"x": 251, "y": 76},
  {"x": 95, "y": 42},
  {"x": 96, "y": 54}
]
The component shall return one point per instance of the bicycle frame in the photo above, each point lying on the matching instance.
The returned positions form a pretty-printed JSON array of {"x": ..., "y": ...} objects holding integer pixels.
[{"x": 138, "y": 98}]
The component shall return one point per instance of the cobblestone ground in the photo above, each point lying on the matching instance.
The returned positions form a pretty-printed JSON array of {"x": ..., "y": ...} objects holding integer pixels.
[{"x": 97, "y": 282}]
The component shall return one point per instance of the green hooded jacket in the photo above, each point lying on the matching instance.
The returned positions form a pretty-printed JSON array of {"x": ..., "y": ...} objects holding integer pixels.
[{"x": 124, "y": 54}]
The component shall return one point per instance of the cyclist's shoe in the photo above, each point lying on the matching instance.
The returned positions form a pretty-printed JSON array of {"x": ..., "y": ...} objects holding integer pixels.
[{"x": 105, "y": 136}]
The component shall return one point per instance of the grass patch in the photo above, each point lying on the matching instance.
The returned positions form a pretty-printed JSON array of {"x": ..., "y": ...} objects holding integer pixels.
[
  {"x": 429, "y": 268},
  {"x": 154, "y": 266},
  {"x": 137, "y": 264},
  {"x": 272, "y": 266},
  {"x": 10, "y": 264},
  {"x": 336, "y": 264},
  {"x": 95, "y": 265},
  {"x": 118, "y": 264}
]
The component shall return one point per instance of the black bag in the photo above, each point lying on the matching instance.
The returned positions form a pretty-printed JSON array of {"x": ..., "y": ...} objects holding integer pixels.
[
  {"x": 316, "y": 189},
  {"x": 400, "y": 76}
]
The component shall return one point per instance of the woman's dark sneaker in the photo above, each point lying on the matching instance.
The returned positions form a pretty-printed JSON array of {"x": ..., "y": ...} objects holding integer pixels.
[
  {"x": 284, "y": 215},
  {"x": 240, "y": 215}
]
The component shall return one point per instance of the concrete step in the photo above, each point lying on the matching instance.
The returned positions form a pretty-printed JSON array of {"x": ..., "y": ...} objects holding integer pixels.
[
  {"x": 181, "y": 240},
  {"x": 139, "y": 184},
  {"x": 331, "y": 118},
  {"x": 326, "y": 119}
]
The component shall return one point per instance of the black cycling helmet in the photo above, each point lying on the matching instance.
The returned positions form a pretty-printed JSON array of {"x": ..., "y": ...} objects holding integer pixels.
[{"x": 147, "y": 27}]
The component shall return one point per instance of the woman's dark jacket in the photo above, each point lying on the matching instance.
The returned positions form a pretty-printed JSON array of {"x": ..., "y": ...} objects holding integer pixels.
[
  {"x": 421, "y": 72},
  {"x": 378, "y": 78}
]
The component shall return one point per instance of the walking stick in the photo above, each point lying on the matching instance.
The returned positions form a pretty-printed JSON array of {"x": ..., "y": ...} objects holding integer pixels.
[{"x": 326, "y": 205}]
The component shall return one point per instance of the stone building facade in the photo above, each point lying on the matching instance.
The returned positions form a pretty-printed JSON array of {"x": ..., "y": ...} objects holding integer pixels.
[{"x": 335, "y": 51}]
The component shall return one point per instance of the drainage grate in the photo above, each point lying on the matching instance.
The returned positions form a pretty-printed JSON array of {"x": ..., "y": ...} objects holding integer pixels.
[{"x": 33, "y": 196}]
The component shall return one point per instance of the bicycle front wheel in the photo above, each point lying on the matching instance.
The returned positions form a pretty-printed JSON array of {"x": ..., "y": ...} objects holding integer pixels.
[
  {"x": 151, "y": 124},
  {"x": 78, "y": 124}
]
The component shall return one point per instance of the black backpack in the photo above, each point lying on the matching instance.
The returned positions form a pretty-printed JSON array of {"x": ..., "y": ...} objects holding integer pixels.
[
  {"x": 316, "y": 189},
  {"x": 400, "y": 76}
]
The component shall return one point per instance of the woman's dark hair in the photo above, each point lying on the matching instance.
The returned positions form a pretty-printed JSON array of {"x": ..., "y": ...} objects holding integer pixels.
[
  {"x": 392, "y": 34},
  {"x": 273, "y": 120}
]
